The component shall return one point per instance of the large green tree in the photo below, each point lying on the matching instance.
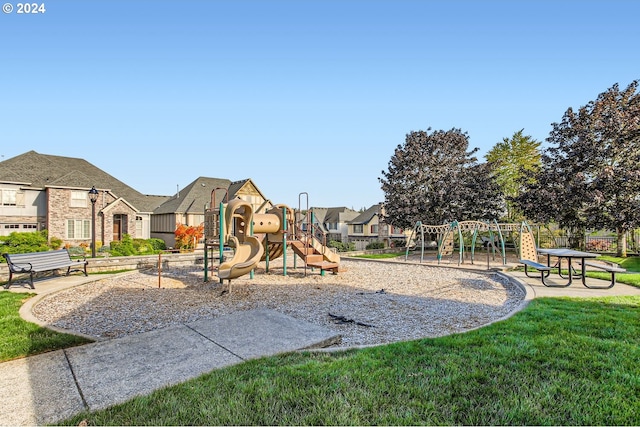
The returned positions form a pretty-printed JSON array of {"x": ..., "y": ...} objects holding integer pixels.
[
  {"x": 591, "y": 172},
  {"x": 511, "y": 161},
  {"x": 432, "y": 178}
]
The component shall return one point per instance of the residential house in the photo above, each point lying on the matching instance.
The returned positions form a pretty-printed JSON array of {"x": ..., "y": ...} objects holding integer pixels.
[
  {"x": 188, "y": 205},
  {"x": 40, "y": 191},
  {"x": 333, "y": 221},
  {"x": 369, "y": 227}
]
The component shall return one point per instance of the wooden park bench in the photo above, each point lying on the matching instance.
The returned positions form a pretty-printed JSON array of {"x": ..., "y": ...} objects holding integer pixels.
[{"x": 39, "y": 262}]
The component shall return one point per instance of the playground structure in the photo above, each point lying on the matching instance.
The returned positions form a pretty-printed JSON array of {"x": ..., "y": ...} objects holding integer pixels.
[
  {"x": 257, "y": 237},
  {"x": 464, "y": 236}
]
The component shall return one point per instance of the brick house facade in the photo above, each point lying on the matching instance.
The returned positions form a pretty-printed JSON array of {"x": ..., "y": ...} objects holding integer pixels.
[{"x": 40, "y": 192}]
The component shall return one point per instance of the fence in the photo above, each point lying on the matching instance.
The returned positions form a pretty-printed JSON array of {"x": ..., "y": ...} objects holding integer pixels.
[{"x": 593, "y": 243}]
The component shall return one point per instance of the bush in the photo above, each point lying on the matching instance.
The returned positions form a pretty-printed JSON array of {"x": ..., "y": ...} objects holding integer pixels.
[
  {"x": 398, "y": 243},
  {"x": 142, "y": 247},
  {"x": 55, "y": 243},
  {"x": 342, "y": 247},
  {"x": 187, "y": 237},
  {"x": 21, "y": 243},
  {"x": 375, "y": 245},
  {"x": 157, "y": 244},
  {"x": 76, "y": 251},
  {"x": 128, "y": 246},
  {"x": 599, "y": 245},
  {"x": 123, "y": 247}
]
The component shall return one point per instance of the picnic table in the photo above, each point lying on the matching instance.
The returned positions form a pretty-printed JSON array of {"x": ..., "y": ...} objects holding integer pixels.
[{"x": 570, "y": 255}]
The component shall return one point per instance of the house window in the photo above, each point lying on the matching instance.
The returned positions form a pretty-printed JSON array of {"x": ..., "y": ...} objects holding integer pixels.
[
  {"x": 374, "y": 229},
  {"x": 79, "y": 199},
  {"x": 78, "y": 229},
  {"x": 29, "y": 226},
  {"x": 358, "y": 228},
  {"x": 332, "y": 226},
  {"x": 9, "y": 197},
  {"x": 12, "y": 226}
]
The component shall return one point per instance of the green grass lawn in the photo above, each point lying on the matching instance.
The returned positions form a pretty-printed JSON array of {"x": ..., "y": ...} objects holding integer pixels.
[
  {"x": 19, "y": 338},
  {"x": 560, "y": 361},
  {"x": 631, "y": 263}
]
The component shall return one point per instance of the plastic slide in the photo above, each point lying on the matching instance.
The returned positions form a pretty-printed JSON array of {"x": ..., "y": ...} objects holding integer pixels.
[
  {"x": 247, "y": 255},
  {"x": 248, "y": 249}
]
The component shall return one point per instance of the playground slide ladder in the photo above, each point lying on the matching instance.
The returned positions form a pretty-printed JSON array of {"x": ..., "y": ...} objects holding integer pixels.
[{"x": 313, "y": 252}]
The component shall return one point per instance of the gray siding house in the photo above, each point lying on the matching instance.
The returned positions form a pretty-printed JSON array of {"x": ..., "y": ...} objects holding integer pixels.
[{"x": 187, "y": 206}]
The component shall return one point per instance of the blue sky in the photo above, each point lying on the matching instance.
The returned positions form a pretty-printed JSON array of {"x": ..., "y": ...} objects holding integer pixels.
[{"x": 301, "y": 96}]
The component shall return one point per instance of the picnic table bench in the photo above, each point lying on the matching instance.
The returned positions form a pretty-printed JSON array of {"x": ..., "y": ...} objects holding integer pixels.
[
  {"x": 608, "y": 268},
  {"x": 39, "y": 262},
  {"x": 529, "y": 257}
]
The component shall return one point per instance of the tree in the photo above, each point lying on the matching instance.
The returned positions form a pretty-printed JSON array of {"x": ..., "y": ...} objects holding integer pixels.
[
  {"x": 511, "y": 161},
  {"x": 187, "y": 237},
  {"x": 591, "y": 173},
  {"x": 434, "y": 179}
]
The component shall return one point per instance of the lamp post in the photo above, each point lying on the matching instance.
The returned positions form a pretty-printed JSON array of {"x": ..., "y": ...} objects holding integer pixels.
[{"x": 93, "y": 196}]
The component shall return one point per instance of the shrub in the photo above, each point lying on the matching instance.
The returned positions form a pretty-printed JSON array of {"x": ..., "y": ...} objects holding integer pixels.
[
  {"x": 142, "y": 247},
  {"x": 129, "y": 246},
  {"x": 342, "y": 247},
  {"x": 398, "y": 243},
  {"x": 55, "y": 243},
  {"x": 76, "y": 250},
  {"x": 157, "y": 244},
  {"x": 187, "y": 237},
  {"x": 375, "y": 245},
  {"x": 599, "y": 245},
  {"x": 123, "y": 247},
  {"x": 20, "y": 243}
]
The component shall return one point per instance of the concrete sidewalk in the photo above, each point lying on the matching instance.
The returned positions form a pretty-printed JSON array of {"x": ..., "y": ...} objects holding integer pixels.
[{"x": 53, "y": 386}]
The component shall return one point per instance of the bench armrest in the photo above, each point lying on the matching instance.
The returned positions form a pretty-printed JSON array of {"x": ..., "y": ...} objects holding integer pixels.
[{"x": 19, "y": 265}]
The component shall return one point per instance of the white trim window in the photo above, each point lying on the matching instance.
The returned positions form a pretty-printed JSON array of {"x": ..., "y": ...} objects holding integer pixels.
[
  {"x": 9, "y": 197},
  {"x": 358, "y": 228},
  {"x": 78, "y": 229},
  {"x": 79, "y": 199}
]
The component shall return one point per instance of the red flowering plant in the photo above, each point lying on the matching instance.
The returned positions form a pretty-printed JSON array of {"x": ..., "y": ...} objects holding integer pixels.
[{"x": 187, "y": 237}]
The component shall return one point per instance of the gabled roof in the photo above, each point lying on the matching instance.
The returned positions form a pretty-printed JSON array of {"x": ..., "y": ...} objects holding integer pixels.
[
  {"x": 194, "y": 197},
  {"x": 247, "y": 186},
  {"x": 319, "y": 214},
  {"x": 42, "y": 170},
  {"x": 334, "y": 215},
  {"x": 365, "y": 217}
]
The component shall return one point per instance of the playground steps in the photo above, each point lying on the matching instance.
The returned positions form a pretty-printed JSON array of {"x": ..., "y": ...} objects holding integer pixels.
[
  {"x": 334, "y": 267},
  {"x": 300, "y": 249},
  {"x": 312, "y": 258}
]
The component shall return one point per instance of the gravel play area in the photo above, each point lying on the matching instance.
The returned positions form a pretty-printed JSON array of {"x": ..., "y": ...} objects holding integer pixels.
[{"x": 369, "y": 303}]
